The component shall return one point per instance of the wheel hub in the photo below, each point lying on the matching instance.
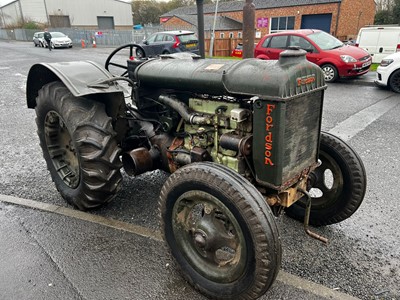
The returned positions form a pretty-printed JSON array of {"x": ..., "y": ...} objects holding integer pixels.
[
  {"x": 209, "y": 237},
  {"x": 200, "y": 239}
]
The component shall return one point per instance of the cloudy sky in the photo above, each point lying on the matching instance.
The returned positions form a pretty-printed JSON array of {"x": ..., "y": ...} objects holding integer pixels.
[{"x": 3, "y": 2}]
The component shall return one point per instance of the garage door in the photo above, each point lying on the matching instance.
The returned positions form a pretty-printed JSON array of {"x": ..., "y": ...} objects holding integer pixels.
[
  {"x": 322, "y": 22},
  {"x": 105, "y": 22}
]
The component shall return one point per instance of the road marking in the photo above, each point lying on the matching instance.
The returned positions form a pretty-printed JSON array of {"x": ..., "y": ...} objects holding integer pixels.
[
  {"x": 283, "y": 277},
  {"x": 359, "y": 121}
]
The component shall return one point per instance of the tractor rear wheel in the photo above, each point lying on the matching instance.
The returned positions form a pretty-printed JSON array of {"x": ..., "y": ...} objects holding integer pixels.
[
  {"x": 220, "y": 231},
  {"x": 79, "y": 146}
]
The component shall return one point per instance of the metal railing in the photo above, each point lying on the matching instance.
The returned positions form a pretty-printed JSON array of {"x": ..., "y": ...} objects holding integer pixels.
[{"x": 102, "y": 37}]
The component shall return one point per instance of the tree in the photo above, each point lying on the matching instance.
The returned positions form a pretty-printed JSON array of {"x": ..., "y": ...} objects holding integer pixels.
[{"x": 388, "y": 12}]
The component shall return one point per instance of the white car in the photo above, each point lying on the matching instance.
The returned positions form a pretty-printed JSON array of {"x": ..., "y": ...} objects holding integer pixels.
[
  {"x": 60, "y": 40},
  {"x": 388, "y": 72}
]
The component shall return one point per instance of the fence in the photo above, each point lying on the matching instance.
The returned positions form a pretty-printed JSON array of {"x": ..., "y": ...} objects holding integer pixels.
[{"x": 115, "y": 38}]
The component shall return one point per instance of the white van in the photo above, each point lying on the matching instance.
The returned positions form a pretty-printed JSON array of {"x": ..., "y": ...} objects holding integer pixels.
[{"x": 379, "y": 41}]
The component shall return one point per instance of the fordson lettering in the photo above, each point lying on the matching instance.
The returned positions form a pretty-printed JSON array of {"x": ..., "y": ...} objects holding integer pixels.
[
  {"x": 269, "y": 123},
  {"x": 305, "y": 80}
]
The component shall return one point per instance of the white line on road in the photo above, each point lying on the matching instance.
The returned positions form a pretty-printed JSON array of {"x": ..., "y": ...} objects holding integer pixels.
[
  {"x": 283, "y": 277},
  {"x": 359, "y": 121}
]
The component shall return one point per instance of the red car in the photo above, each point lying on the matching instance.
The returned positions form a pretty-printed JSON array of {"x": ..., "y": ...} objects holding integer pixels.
[
  {"x": 335, "y": 58},
  {"x": 238, "y": 51}
]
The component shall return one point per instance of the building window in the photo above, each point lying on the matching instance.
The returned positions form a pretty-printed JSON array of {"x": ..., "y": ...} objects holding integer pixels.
[
  {"x": 222, "y": 35},
  {"x": 231, "y": 35},
  {"x": 281, "y": 24},
  {"x": 239, "y": 35}
]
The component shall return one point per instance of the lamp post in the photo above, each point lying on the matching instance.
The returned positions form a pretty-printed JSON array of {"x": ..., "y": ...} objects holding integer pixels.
[
  {"x": 249, "y": 17},
  {"x": 200, "y": 27}
]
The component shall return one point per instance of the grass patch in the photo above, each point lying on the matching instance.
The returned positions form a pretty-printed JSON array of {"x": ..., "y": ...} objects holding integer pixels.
[{"x": 374, "y": 67}]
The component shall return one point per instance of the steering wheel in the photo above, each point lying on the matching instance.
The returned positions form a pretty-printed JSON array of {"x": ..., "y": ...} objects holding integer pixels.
[{"x": 139, "y": 53}]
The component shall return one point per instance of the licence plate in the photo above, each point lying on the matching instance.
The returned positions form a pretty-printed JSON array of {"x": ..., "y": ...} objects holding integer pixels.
[
  {"x": 366, "y": 64},
  {"x": 190, "y": 45}
]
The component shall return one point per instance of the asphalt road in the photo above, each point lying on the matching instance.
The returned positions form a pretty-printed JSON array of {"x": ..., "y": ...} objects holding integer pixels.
[{"x": 75, "y": 258}]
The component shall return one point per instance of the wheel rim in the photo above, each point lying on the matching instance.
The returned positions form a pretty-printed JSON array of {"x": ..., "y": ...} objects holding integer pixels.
[
  {"x": 209, "y": 236},
  {"x": 61, "y": 149},
  {"x": 395, "y": 82},
  {"x": 329, "y": 73},
  {"x": 326, "y": 182}
]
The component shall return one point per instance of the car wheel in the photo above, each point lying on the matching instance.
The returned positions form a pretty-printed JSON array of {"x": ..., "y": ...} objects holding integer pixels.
[
  {"x": 140, "y": 53},
  {"x": 52, "y": 45},
  {"x": 330, "y": 72},
  {"x": 394, "y": 81},
  {"x": 166, "y": 52}
]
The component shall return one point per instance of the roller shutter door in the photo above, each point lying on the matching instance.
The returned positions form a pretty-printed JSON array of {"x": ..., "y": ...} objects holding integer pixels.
[
  {"x": 105, "y": 22},
  {"x": 322, "y": 21}
]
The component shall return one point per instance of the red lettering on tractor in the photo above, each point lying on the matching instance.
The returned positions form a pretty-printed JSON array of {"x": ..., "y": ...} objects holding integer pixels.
[{"x": 269, "y": 123}]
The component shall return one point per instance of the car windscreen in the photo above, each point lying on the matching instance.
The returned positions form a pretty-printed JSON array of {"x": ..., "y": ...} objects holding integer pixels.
[
  {"x": 57, "y": 34},
  {"x": 325, "y": 41},
  {"x": 188, "y": 38}
]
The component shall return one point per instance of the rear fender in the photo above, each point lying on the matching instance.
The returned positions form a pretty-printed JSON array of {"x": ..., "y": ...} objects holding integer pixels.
[{"x": 78, "y": 77}]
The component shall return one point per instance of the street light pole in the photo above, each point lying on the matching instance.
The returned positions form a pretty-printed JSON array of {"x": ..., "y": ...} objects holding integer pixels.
[
  {"x": 249, "y": 17},
  {"x": 200, "y": 26}
]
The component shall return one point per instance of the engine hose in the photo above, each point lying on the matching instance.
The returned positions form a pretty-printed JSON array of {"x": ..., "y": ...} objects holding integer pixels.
[{"x": 184, "y": 111}]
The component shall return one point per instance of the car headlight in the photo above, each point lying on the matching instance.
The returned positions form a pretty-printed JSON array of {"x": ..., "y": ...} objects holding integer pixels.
[
  {"x": 386, "y": 62},
  {"x": 348, "y": 58}
]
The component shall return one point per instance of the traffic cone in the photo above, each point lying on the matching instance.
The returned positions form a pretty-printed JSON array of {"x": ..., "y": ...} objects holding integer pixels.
[
  {"x": 94, "y": 43},
  {"x": 83, "y": 43}
]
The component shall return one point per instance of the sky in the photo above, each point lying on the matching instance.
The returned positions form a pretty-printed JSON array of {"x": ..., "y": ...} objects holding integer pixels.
[{"x": 3, "y": 2}]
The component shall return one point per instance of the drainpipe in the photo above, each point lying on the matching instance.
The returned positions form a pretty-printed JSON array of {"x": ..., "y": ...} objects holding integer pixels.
[
  {"x": 47, "y": 14},
  {"x": 20, "y": 10},
  {"x": 337, "y": 19},
  {"x": 213, "y": 31}
]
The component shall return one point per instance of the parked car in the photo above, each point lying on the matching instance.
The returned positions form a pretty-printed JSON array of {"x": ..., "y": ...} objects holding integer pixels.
[
  {"x": 59, "y": 40},
  {"x": 335, "y": 58},
  {"x": 379, "y": 41},
  {"x": 388, "y": 72},
  {"x": 38, "y": 39},
  {"x": 169, "y": 42},
  {"x": 238, "y": 51}
]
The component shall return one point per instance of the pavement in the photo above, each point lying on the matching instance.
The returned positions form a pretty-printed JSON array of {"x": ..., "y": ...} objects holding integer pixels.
[
  {"x": 53, "y": 252},
  {"x": 366, "y": 79}
]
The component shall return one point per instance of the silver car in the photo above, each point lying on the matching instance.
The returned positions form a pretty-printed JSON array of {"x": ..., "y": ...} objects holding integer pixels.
[{"x": 38, "y": 39}]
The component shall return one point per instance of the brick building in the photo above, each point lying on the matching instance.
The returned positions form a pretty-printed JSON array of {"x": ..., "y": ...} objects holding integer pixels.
[{"x": 341, "y": 18}]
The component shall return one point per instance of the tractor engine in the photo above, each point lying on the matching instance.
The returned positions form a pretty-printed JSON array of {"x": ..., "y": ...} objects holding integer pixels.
[{"x": 259, "y": 118}]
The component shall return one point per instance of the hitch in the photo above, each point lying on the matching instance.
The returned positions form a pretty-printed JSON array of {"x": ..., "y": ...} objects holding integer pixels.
[{"x": 307, "y": 218}]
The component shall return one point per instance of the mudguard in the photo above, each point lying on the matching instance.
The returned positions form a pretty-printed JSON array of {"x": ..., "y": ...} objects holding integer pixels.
[{"x": 80, "y": 77}]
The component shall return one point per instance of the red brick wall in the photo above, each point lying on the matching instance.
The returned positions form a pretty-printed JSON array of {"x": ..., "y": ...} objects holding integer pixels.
[
  {"x": 355, "y": 14},
  {"x": 347, "y": 18}
]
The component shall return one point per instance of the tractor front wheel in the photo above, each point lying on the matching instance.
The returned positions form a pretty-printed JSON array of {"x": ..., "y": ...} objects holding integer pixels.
[
  {"x": 220, "y": 231},
  {"x": 337, "y": 187}
]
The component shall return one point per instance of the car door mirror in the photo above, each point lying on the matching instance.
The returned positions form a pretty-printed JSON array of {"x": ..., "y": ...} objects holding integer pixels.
[{"x": 145, "y": 42}]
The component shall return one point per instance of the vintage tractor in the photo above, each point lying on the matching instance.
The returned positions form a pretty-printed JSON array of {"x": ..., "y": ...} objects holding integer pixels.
[{"x": 241, "y": 138}]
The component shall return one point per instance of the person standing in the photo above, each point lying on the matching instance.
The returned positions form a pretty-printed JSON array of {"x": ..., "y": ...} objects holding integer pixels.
[{"x": 47, "y": 37}]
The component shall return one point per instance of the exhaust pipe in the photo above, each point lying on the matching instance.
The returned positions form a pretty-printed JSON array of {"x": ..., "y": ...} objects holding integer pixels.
[{"x": 139, "y": 161}]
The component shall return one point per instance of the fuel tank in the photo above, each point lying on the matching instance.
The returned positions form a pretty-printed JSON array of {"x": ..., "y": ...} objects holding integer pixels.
[{"x": 289, "y": 76}]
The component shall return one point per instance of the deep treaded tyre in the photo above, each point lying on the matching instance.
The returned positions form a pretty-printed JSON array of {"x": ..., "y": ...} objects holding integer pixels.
[
  {"x": 220, "y": 231},
  {"x": 337, "y": 186},
  {"x": 79, "y": 146}
]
